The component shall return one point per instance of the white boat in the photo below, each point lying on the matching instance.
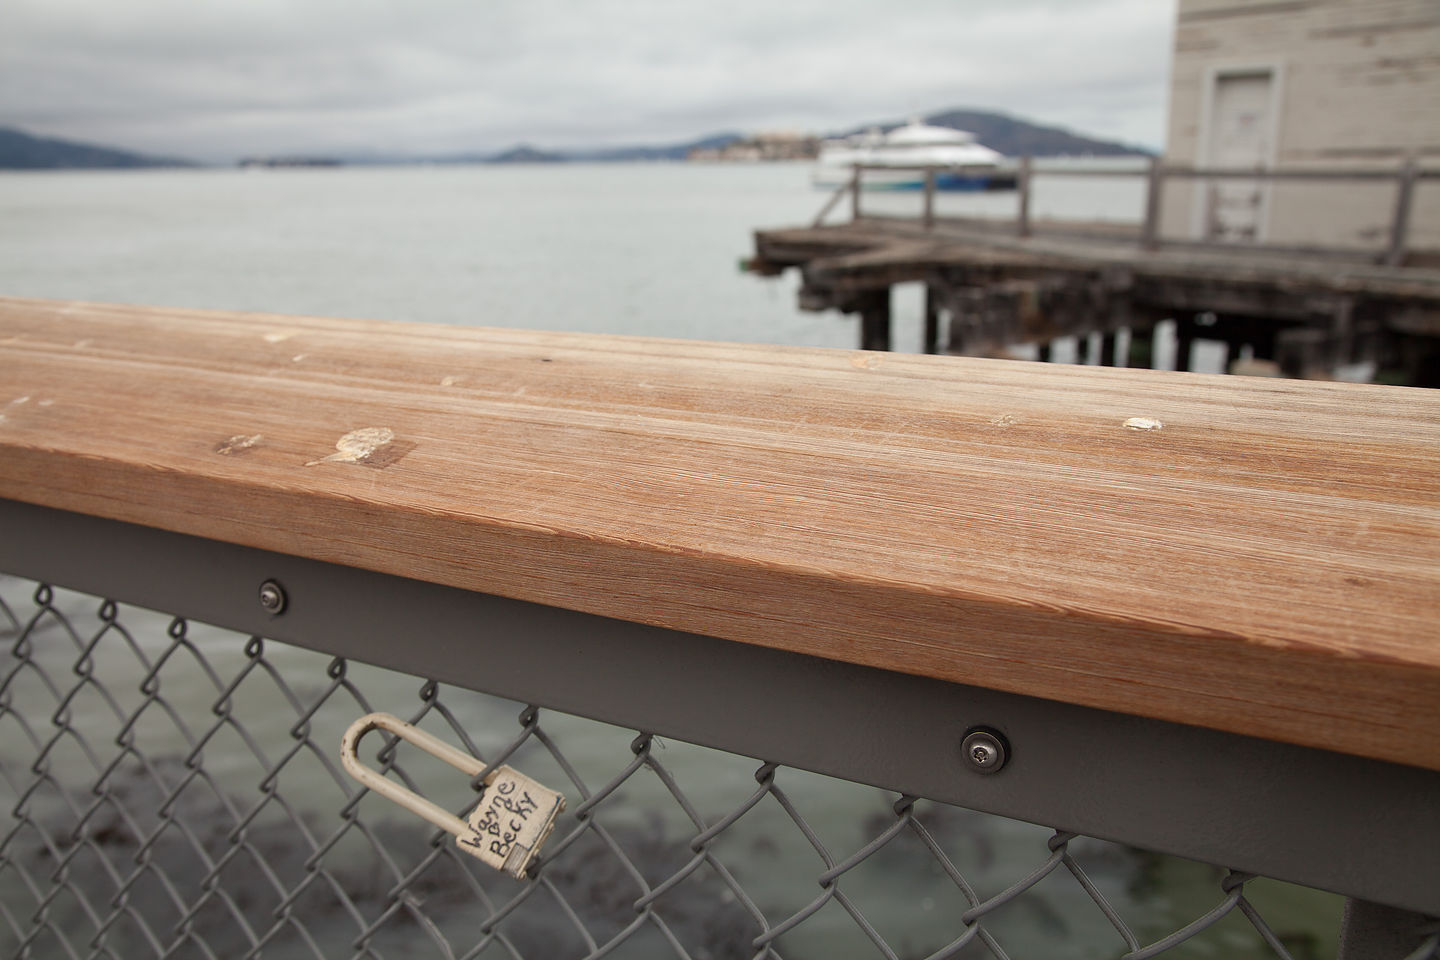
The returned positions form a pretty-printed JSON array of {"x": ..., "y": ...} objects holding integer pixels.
[{"x": 963, "y": 163}]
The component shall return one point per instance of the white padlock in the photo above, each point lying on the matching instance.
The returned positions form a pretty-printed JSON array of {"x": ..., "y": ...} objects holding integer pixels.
[{"x": 505, "y": 830}]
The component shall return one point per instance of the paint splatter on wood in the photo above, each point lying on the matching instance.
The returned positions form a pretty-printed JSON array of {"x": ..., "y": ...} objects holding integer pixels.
[
  {"x": 369, "y": 447},
  {"x": 240, "y": 443}
]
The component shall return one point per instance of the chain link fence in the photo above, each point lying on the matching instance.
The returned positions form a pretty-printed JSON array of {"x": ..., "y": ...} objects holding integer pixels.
[{"x": 174, "y": 790}]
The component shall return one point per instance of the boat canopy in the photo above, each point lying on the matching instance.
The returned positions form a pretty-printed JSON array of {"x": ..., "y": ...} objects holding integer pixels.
[{"x": 924, "y": 135}]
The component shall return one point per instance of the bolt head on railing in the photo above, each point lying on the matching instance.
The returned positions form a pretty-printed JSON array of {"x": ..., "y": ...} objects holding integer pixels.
[
  {"x": 272, "y": 597},
  {"x": 985, "y": 750}
]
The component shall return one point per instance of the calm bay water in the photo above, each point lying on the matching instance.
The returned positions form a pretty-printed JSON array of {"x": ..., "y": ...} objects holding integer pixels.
[
  {"x": 649, "y": 250},
  {"x": 645, "y": 249}
]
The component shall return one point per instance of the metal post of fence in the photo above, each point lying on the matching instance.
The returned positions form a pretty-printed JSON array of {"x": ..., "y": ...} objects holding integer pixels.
[
  {"x": 1150, "y": 233},
  {"x": 1371, "y": 931},
  {"x": 1022, "y": 185},
  {"x": 929, "y": 198},
  {"x": 855, "y": 193},
  {"x": 1400, "y": 224}
]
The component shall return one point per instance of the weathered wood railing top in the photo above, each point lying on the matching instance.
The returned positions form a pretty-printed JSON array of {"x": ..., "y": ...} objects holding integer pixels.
[{"x": 1251, "y": 555}]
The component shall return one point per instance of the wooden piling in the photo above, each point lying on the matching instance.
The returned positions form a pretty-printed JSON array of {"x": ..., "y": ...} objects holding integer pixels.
[
  {"x": 1184, "y": 341},
  {"x": 1109, "y": 347},
  {"x": 1141, "y": 354},
  {"x": 932, "y": 320},
  {"x": 875, "y": 320}
]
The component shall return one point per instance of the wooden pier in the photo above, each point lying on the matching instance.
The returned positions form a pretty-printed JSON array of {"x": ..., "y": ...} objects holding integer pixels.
[{"x": 1300, "y": 311}]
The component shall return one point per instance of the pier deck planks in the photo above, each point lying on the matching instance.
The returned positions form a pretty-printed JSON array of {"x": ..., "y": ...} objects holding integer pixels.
[
  {"x": 863, "y": 251},
  {"x": 1266, "y": 562}
]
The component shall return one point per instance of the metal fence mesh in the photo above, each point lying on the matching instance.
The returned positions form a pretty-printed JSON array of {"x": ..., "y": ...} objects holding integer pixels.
[{"x": 174, "y": 790}]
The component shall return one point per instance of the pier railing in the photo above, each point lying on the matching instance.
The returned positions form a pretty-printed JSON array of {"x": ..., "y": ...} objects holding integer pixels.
[
  {"x": 1157, "y": 174},
  {"x": 1120, "y": 649}
]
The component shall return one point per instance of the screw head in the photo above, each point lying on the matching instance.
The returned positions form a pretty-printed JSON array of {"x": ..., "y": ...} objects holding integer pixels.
[
  {"x": 985, "y": 750},
  {"x": 272, "y": 597}
]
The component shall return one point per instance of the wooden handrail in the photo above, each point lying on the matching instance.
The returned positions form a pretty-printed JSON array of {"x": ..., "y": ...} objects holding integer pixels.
[
  {"x": 1182, "y": 170},
  {"x": 1156, "y": 172},
  {"x": 1154, "y": 193},
  {"x": 1250, "y": 555},
  {"x": 1292, "y": 173},
  {"x": 830, "y": 204}
]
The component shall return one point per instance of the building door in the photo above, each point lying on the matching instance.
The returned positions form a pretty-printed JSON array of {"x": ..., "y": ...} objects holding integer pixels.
[{"x": 1241, "y": 135}]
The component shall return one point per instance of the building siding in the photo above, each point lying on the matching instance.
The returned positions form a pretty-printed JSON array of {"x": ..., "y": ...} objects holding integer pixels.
[{"x": 1359, "y": 86}]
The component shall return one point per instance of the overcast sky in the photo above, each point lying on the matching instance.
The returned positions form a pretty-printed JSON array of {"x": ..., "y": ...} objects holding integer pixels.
[{"x": 214, "y": 79}]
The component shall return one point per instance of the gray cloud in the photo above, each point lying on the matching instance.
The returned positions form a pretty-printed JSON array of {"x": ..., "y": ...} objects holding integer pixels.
[{"x": 226, "y": 77}]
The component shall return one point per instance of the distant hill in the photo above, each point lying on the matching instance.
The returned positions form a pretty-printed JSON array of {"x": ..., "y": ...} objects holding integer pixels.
[
  {"x": 524, "y": 153},
  {"x": 674, "y": 151},
  {"x": 21, "y": 151},
  {"x": 1009, "y": 135},
  {"x": 1014, "y": 137},
  {"x": 290, "y": 161}
]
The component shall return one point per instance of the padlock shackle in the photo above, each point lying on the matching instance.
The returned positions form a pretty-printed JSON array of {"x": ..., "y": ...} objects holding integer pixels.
[{"x": 409, "y": 799}]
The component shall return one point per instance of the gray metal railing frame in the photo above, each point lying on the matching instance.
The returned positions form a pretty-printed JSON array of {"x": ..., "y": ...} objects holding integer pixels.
[
  {"x": 1362, "y": 828},
  {"x": 1406, "y": 177}
]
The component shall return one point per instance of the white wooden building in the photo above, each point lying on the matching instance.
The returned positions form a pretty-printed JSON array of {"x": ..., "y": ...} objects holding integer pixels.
[{"x": 1304, "y": 83}]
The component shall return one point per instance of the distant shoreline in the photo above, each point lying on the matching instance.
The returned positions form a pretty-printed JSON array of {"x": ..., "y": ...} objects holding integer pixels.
[{"x": 1009, "y": 135}]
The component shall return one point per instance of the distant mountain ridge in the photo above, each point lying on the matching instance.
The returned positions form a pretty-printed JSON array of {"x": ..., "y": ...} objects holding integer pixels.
[
  {"x": 674, "y": 151},
  {"x": 21, "y": 151},
  {"x": 1009, "y": 135},
  {"x": 998, "y": 131},
  {"x": 528, "y": 153},
  {"x": 1016, "y": 138},
  {"x": 524, "y": 153}
]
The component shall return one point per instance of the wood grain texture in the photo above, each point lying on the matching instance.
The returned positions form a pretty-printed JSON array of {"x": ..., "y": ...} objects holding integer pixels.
[{"x": 1268, "y": 562}]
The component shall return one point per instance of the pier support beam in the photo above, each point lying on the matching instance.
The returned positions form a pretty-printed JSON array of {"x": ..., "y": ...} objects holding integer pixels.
[
  {"x": 1306, "y": 353},
  {"x": 874, "y": 309},
  {"x": 1108, "y": 349},
  {"x": 932, "y": 319},
  {"x": 1101, "y": 349},
  {"x": 1142, "y": 348},
  {"x": 1184, "y": 340},
  {"x": 1261, "y": 338}
]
